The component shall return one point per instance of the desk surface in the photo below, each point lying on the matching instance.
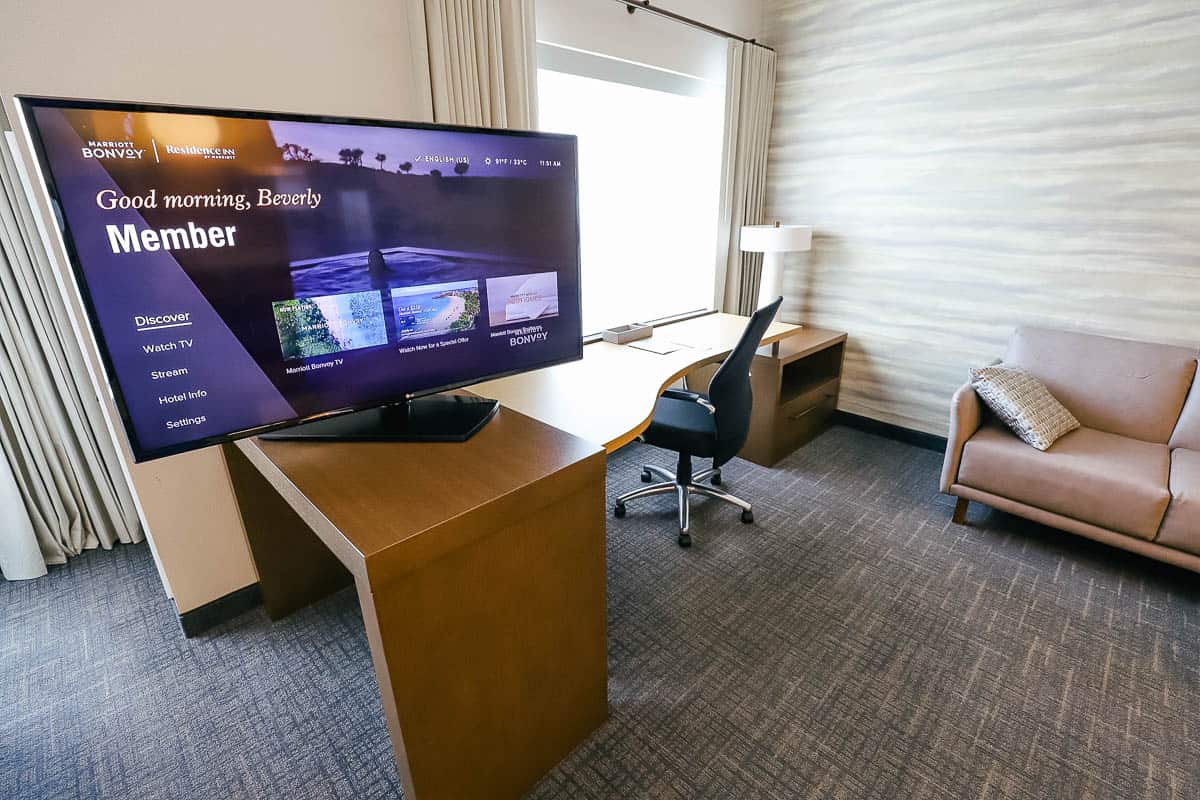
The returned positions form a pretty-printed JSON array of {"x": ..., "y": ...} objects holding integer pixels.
[
  {"x": 608, "y": 397},
  {"x": 371, "y": 502}
]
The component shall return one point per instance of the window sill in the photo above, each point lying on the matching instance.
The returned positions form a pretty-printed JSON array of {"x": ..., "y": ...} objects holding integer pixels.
[{"x": 655, "y": 323}]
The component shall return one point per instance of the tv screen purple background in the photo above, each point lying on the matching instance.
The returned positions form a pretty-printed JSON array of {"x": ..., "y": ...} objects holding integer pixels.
[{"x": 239, "y": 272}]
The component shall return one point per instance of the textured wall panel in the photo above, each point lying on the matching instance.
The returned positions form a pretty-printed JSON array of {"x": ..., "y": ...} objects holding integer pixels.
[{"x": 970, "y": 166}]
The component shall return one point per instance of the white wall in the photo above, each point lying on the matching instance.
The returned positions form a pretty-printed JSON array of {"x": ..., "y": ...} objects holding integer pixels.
[
  {"x": 321, "y": 56},
  {"x": 603, "y": 26}
]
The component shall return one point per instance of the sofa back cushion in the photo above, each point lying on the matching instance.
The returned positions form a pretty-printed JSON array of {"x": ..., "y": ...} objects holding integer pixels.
[
  {"x": 1120, "y": 386},
  {"x": 1187, "y": 432}
]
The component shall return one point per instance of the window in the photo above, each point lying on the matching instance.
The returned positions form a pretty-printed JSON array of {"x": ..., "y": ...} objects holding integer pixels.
[{"x": 649, "y": 174}]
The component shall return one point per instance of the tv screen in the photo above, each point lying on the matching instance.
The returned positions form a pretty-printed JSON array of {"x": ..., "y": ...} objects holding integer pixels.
[{"x": 248, "y": 271}]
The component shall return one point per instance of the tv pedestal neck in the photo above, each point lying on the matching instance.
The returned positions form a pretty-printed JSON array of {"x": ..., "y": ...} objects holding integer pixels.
[{"x": 435, "y": 418}]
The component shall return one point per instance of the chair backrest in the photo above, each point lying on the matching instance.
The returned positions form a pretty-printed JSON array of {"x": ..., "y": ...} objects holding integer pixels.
[{"x": 729, "y": 390}]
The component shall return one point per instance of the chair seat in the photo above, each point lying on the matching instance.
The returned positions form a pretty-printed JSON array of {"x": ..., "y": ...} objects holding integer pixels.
[
  {"x": 1181, "y": 527},
  {"x": 682, "y": 426},
  {"x": 1108, "y": 480}
]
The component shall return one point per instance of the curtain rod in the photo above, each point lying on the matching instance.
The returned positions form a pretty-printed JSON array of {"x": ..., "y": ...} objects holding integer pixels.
[{"x": 644, "y": 5}]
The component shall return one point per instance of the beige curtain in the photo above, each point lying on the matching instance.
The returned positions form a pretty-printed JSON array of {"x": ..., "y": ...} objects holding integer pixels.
[
  {"x": 749, "y": 98},
  {"x": 482, "y": 62},
  {"x": 62, "y": 485}
]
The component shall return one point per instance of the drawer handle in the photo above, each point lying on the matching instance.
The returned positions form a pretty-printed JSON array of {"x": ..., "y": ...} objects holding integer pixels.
[{"x": 811, "y": 409}]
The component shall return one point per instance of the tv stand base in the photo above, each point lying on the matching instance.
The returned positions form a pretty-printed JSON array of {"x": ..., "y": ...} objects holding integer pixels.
[{"x": 436, "y": 418}]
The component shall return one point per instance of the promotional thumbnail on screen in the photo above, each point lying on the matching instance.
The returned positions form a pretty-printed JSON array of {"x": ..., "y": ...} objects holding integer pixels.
[{"x": 243, "y": 271}]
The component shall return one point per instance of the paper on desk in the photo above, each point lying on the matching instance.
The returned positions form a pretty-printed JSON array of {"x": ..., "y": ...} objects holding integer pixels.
[{"x": 660, "y": 346}]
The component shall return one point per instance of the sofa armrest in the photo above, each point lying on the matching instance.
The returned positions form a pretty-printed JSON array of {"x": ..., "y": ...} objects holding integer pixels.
[{"x": 966, "y": 415}]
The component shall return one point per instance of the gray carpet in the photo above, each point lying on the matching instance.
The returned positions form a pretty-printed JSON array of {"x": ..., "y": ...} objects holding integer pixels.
[{"x": 850, "y": 644}]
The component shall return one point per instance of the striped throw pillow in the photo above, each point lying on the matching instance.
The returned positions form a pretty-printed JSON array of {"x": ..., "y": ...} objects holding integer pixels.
[{"x": 1024, "y": 404}]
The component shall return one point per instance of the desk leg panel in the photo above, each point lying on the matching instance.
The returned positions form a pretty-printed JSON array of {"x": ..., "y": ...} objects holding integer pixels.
[
  {"x": 294, "y": 567},
  {"x": 496, "y": 654}
]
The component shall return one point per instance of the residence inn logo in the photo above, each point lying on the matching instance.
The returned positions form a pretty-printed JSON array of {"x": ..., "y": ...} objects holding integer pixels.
[
  {"x": 220, "y": 153},
  {"x": 112, "y": 150}
]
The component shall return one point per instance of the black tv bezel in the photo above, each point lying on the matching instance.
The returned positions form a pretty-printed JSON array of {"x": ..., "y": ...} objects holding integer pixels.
[{"x": 26, "y": 104}]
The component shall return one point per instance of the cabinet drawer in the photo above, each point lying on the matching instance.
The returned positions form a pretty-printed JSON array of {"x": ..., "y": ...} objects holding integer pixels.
[
  {"x": 810, "y": 398},
  {"x": 795, "y": 423}
]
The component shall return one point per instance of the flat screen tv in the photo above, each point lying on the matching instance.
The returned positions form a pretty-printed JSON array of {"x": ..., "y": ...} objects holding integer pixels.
[{"x": 244, "y": 272}]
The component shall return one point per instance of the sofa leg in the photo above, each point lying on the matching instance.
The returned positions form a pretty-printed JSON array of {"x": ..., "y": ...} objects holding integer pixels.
[{"x": 960, "y": 511}]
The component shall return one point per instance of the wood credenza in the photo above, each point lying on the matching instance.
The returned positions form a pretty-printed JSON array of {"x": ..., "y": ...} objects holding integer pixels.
[
  {"x": 796, "y": 382},
  {"x": 796, "y": 385}
]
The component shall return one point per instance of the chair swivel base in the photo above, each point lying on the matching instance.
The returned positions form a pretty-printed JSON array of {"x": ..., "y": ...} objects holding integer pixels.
[{"x": 683, "y": 491}]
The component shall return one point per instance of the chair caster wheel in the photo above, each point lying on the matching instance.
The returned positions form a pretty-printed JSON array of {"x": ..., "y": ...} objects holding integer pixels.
[
  {"x": 646, "y": 476},
  {"x": 747, "y": 517},
  {"x": 619, "y": 510},
  {"x": 685, "y": 540},
  {"x": 716, "y": 479}
]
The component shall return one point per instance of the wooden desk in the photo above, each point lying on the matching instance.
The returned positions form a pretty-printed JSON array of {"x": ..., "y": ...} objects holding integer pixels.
[
  {"x": 609, "y": 396},
  {"x": 480, "y": 571}
]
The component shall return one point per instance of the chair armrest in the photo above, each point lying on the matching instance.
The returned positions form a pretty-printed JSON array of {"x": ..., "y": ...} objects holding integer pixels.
[
  {"x": 966, "y": 415},
  {"x": 691, "y": 397},
  {"x": 681, "y": 394}
]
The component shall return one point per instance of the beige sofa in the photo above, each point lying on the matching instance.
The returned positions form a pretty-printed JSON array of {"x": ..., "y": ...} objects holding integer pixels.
[{"x": 1129, "y": 477}]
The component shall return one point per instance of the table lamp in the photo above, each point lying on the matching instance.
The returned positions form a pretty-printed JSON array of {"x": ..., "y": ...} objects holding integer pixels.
[{"x": 773, "y": 241}]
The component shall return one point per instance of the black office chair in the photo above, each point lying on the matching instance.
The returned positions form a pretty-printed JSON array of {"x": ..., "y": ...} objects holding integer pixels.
[{"x": 705, "y": 426}]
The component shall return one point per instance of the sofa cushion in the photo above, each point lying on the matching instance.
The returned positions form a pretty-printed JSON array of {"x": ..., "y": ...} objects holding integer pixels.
[
  {"x": 1115, "y": 385},
  {"x": 1110, "y": 481},
  {"x": 1181, "y": 527},
  {"x": 1187, "y": 432}
]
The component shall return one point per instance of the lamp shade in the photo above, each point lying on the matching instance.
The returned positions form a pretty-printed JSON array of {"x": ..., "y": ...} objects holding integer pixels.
[{"x": 775, "y": 238}]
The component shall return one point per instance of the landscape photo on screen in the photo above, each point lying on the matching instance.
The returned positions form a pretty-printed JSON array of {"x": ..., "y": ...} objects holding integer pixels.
[
  {"x": 318, "y": 326},
  {"x": 436, "y": 310},
  {"x": 244, "y": 271},
  {"x": 522, "y": 298}
]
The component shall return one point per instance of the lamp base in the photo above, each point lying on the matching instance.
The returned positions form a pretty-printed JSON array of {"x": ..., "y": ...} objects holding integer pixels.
[{"x": 770, "y": 282}]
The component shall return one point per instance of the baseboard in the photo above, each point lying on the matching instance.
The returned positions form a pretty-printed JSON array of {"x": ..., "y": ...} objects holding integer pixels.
[
  {"x": 929, "y": 441},
  {"x": 223, "y": 609}
]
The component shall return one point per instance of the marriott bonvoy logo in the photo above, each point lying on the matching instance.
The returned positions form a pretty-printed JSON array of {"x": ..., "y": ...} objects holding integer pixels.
[
  {"x": 112, "y": 150},
  {"x": 195, "y": 150}
]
